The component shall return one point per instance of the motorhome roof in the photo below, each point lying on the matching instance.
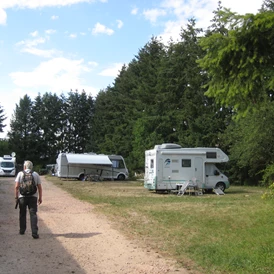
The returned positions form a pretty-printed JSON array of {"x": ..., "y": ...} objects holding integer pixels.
[
  {"x": 7, "y": 157},
  {"x": 168, "y": 146}
]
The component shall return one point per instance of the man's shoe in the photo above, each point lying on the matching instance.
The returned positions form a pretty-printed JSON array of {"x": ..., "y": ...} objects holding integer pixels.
[
  {"x": 35, "y": 236},
  {"x": 21, "y": 232}
]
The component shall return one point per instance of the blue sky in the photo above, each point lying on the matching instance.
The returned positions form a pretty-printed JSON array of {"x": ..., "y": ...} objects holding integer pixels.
[{"x": 58, "y": 45}]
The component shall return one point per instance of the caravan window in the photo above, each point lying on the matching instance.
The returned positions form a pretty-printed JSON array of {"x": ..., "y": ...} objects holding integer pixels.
[
  {"x": 186, "y": 163},
  {"x": 151, "y": 163},
  {"x": 118, "y": 163},
  {"x": 211, "y": 155}
]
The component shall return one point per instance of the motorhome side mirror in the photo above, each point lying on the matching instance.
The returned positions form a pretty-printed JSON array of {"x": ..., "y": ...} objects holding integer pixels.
[{"x": 216, "y": 172}]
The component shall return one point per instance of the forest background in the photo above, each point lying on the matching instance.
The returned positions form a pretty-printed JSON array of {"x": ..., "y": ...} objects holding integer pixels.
[{"x": 212, "y": 88}]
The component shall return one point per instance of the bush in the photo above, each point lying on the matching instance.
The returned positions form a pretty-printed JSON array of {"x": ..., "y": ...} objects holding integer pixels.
[
  {"x": 269, "y": 194},
  {"x": 268, "y": 176}
]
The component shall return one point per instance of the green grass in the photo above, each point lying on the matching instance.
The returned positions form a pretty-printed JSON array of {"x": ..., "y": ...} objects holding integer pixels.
[{"x": 233, "y": 233}]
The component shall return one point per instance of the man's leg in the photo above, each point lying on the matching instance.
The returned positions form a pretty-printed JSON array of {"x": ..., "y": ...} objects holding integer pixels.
[
  {"x": 33, "y": 216},
  {"x": 22, "y": 215}
]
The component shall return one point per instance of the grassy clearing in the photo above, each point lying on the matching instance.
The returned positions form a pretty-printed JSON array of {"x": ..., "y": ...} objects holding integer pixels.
[{"x": 216, "y": 234}]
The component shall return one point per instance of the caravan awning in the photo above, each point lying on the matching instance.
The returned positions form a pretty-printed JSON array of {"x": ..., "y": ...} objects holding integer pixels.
[{"x": 88, "y": 159}]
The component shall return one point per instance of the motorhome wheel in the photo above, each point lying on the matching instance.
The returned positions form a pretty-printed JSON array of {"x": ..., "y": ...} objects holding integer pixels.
[{"x": 121, "y": 177}]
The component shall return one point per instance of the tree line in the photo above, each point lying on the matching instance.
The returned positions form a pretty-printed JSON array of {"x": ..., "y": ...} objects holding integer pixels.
[{"x": 211, "y": 88}]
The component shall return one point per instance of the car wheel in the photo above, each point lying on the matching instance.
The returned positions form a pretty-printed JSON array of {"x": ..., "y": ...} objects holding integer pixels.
[{"x": 221, "y": 186}]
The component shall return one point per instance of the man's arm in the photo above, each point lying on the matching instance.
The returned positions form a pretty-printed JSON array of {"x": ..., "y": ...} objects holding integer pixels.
[
  {"x": 16, "y": 190},
  {"x": 39, "y": 186},
  {"x": 17, "y": 185}
]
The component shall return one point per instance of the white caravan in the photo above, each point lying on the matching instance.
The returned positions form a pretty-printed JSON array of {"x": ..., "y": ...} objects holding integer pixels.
[
  {"x": 169, "y": 165},
  {"x": 70, "y": 165},
  {"x": 8, "y": 165}
]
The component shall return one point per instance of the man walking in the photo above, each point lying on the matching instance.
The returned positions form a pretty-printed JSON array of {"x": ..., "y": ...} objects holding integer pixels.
[{"x": 28, "y": 190}]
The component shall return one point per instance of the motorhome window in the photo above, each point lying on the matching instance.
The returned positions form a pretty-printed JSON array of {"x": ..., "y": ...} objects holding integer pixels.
[
  {"x": 7, "y": 164},
  {"x": 175, "y": 171},
  {"x": 151, "y": 163},
  {"x": 117, "y": 163},
  {"x": 186, "y": 163},
  {"x": 174, "y": 161},
  {"x": 211, "y": 155}
]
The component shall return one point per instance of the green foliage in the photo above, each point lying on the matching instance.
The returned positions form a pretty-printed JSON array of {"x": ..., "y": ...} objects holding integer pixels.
[
  {"x": 133, "y": 98},
  {"x": 240, "y": 60},
  {"x": 21, "y": 137},
  {"x": 251, "y": 146},
  {"x": 79, "y": 112},
  {"x": 48, "y": 125},
  {"x": 4, "y": 147},
  {"x": 268, "y": 5},
  {"x": 268, "y": 177},
  {"x": 2, "y": 119},
  {"x": 269, "y": 194}
]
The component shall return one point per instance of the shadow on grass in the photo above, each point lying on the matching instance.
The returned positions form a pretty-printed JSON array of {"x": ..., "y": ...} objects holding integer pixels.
[{"x": 230, "y": 191}]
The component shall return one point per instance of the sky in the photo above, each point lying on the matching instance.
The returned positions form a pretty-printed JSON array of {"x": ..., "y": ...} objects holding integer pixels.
[{"x": 61, "y": 45}]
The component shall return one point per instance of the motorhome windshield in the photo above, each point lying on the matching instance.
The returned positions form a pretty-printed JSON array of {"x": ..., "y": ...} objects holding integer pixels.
[
  {"x": 7, "y": 164},
  {"x": 118, "y": 163}
]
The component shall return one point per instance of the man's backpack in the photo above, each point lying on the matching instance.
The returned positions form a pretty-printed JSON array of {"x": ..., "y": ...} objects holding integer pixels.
[{"x": 28, "y": 186}]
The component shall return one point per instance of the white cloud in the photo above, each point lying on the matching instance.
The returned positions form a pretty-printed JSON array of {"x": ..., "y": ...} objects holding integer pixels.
[
  {"x": 32, "y": 4},
  {"x": 31, "y": 43},
  {"x": 50, "y": 31},
  {"x": 31, "y": 47},
  {"x": 201, "y": 10},
  {"x": 93, "y": 64},
  {"x": 134, "y": 11},
  {"x": 40, "y": 52},
  {"x": 242, "y": 7},
  {"x": 73, "y": 35},
  {"x": 153, "y": 14},
  {"x": 112, "y": 71},
  {"x": 119, "y": 23},
  {"x": 3, "y": 17},
  {"x": 55, "y": 75},
  {"x": 58, "y": 75},
  {"x": 99, "y": 28},
  {"x": 54, "y": 17},
  {"x": 34, "y": 34},
  {"x": 172, "y": 29}
]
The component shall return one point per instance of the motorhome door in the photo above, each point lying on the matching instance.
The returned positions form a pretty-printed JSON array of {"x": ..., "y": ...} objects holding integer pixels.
[{"x": 198, "y": 170}]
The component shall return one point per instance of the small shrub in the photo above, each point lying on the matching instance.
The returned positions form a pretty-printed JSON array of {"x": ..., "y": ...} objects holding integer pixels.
[
  {"x": 269, "y": 194},
  {"x": 268, "y": 176}
]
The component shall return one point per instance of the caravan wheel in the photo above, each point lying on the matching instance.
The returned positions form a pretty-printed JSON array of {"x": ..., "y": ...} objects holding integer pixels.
[{"x": 81, "y": 177}]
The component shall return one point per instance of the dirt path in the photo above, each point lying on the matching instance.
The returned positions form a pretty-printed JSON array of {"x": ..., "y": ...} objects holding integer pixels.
[{"x": 73, "y": 239}]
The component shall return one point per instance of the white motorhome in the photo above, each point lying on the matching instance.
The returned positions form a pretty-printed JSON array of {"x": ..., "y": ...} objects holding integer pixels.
[
  {"x": 7, "y": 165},
  {"x": 70, "y": 165},
  {"x": 169, "y": 165}
]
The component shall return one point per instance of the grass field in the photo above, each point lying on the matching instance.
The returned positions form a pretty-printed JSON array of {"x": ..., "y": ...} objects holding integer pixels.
[{"x": 232, "y": 233}]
